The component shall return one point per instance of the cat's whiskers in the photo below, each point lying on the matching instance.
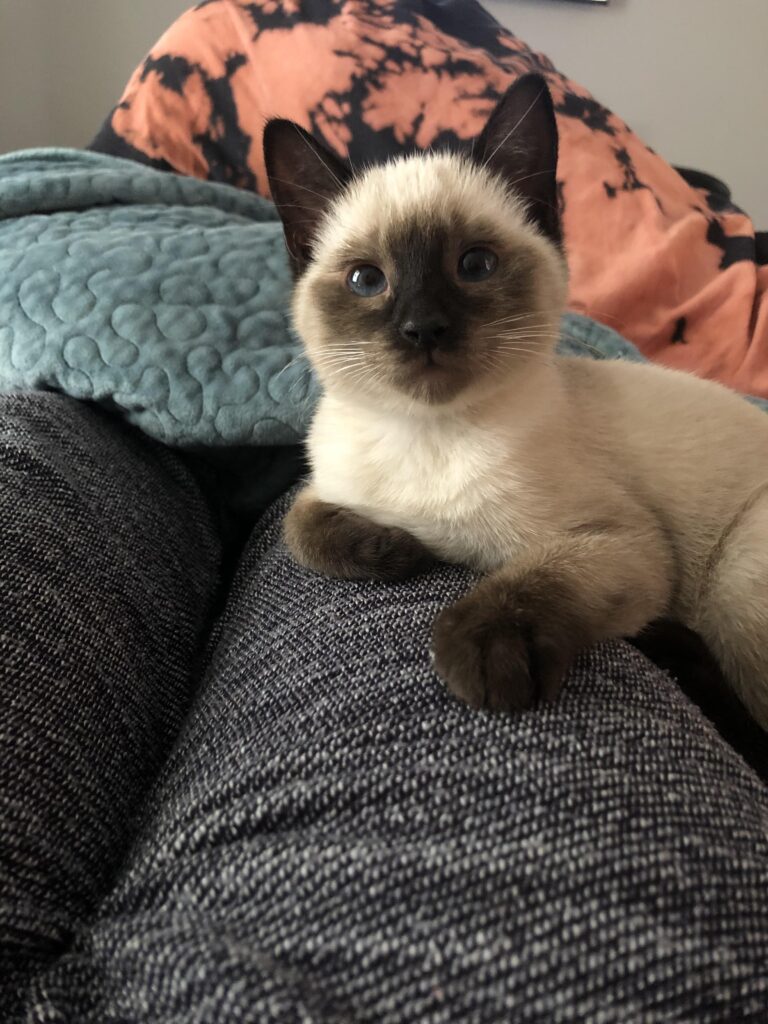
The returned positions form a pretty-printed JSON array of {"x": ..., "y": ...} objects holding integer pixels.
[
  {"x": 530, "y": 329},
  {"x": 521, "y": 348},
  {"x": 543, "y": 322},
  {"x": 501, "y": 344},
  {"x": 528, "y": 339},
  {"x": 540, "y": 328},
  {"x": 300, "y": 206},
  {"x": 341, "y": 365},
  {"x": 498, "y": 360},
  {"x": 557, "y": 335},
  {"x": 508, "y": 319},
  {"x": 346, "y": 364},
  {"x": 360, "y": 376},
  {"x": 288, "y": 365},
  {"x": 535, "y": 174},
  {"x": 519, "y": 341},
  {"x": 344, "y": 358},
  {"x": 295, "y": 184},
  {"x": 524, "y": 336}
]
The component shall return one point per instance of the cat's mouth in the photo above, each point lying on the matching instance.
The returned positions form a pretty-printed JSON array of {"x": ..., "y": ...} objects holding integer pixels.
[
  {"x": 434, "y": 375},
  {"x": 430, "y": 364},
  {"x": 431, "y": 359}
]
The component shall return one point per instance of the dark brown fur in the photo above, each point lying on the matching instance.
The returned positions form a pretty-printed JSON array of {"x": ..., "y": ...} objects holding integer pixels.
[
  {"x": 508, "y": 644},
  {"x": 340, "y": 543}
]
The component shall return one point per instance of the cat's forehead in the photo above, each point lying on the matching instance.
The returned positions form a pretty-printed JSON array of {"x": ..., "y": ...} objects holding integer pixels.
[{"x": 431, "y": 194}]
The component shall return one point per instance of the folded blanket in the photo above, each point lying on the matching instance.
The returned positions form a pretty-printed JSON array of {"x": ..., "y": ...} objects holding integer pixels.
[
  {"x": 164, "y": 298},
  {"x": 673, "y": 268}
]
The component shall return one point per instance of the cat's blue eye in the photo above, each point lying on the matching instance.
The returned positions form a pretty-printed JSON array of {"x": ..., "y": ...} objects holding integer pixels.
[
  {"x": 477, "y": 264},
  {"x": 366, "y": 281}
]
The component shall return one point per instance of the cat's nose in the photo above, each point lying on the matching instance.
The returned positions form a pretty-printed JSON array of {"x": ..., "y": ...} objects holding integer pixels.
[{"x": 428, "y": 333}]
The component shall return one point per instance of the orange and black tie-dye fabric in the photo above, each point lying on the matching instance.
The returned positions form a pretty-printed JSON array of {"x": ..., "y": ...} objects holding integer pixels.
[{"x": 667, "y": 265}]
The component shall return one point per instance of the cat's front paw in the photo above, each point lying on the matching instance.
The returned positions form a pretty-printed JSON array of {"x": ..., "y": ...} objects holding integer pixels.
[
  {"x": 338, "y": 542},
  {"x": 503, "y": 649}
]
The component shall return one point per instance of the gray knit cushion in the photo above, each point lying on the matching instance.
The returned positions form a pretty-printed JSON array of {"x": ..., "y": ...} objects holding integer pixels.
[
  {"x": 334, "y": 839},
  {"x": 108, "y": 565}
]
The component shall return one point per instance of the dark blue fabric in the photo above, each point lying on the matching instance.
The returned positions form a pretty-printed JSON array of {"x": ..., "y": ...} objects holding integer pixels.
[{"x": 109, "y": 564}]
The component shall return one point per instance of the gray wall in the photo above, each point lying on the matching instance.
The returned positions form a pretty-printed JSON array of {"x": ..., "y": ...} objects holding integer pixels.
[
  {"x": 690, "y": 75},
  {"x": 25, "y": 117},
  {"x": 63, "y": 64}
]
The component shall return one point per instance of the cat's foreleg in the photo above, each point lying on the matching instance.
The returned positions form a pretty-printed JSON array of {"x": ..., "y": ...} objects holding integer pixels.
[
  {"x": 510, "y": 642},
  {"x": 338, "y": 542}
]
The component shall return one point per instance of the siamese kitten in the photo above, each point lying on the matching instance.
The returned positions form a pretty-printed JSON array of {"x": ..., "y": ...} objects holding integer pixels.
[{"x": 594, "y": 496}]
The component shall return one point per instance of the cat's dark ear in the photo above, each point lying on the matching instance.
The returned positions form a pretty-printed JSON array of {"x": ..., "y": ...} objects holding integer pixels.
[
  {"x": 519, "y": 143},
  {"x": 304, "y": 178}
]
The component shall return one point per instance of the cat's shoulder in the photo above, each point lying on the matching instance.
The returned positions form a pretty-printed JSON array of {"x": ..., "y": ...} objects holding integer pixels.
[
  {"x": 642, "y": 378},
  {"x": 613, "y": 392}
]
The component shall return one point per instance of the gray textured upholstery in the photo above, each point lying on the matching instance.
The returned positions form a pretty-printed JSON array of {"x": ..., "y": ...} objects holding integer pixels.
[
  {"x": 333, "y": 839},
  {"x": 108, "y": 568}
]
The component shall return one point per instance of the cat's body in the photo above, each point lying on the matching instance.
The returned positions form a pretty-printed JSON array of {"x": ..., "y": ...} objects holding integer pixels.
[
  {"x": 607, "y": 434},
  {"x": 611, "y": 444},
  {"x": 597, "y": 496}
]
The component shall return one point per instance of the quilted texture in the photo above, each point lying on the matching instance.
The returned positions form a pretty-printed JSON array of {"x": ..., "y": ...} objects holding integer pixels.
[
  {"x": 334, "y": 840},
  {"x": 162, "y": 295}
]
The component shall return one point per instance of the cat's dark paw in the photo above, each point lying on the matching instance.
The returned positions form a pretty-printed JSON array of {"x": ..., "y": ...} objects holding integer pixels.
[
  {"x": 337, "y": 542},
  {"x": 505, "y": 650}
]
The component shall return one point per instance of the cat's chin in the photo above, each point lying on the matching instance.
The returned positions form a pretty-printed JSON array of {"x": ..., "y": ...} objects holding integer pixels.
[
  {"x": 432, "y": 381},
  {"x": 433, "y": 389}
]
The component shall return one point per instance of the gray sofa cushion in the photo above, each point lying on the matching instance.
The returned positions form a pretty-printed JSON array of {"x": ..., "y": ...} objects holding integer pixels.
[
  {"x": 108, "y": 568},
  {"x": 334, "y": 839}
]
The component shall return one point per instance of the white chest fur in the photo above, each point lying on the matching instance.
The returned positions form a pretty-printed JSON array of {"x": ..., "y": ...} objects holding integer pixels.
[{"x": 450, "y": 483}]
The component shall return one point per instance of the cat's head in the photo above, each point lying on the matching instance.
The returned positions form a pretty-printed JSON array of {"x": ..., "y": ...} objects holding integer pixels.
[{"x": 436, "y": 277}]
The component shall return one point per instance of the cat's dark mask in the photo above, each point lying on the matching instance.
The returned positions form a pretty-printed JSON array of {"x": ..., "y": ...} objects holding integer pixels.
[{"x": 425, "y": 276}]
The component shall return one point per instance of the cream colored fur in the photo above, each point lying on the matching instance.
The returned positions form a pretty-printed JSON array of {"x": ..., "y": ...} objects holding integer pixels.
[{"x": 641, "y": 480}]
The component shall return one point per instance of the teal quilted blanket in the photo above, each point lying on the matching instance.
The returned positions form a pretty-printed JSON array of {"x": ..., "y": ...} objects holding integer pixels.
[{"x": 165, "y": 298}]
